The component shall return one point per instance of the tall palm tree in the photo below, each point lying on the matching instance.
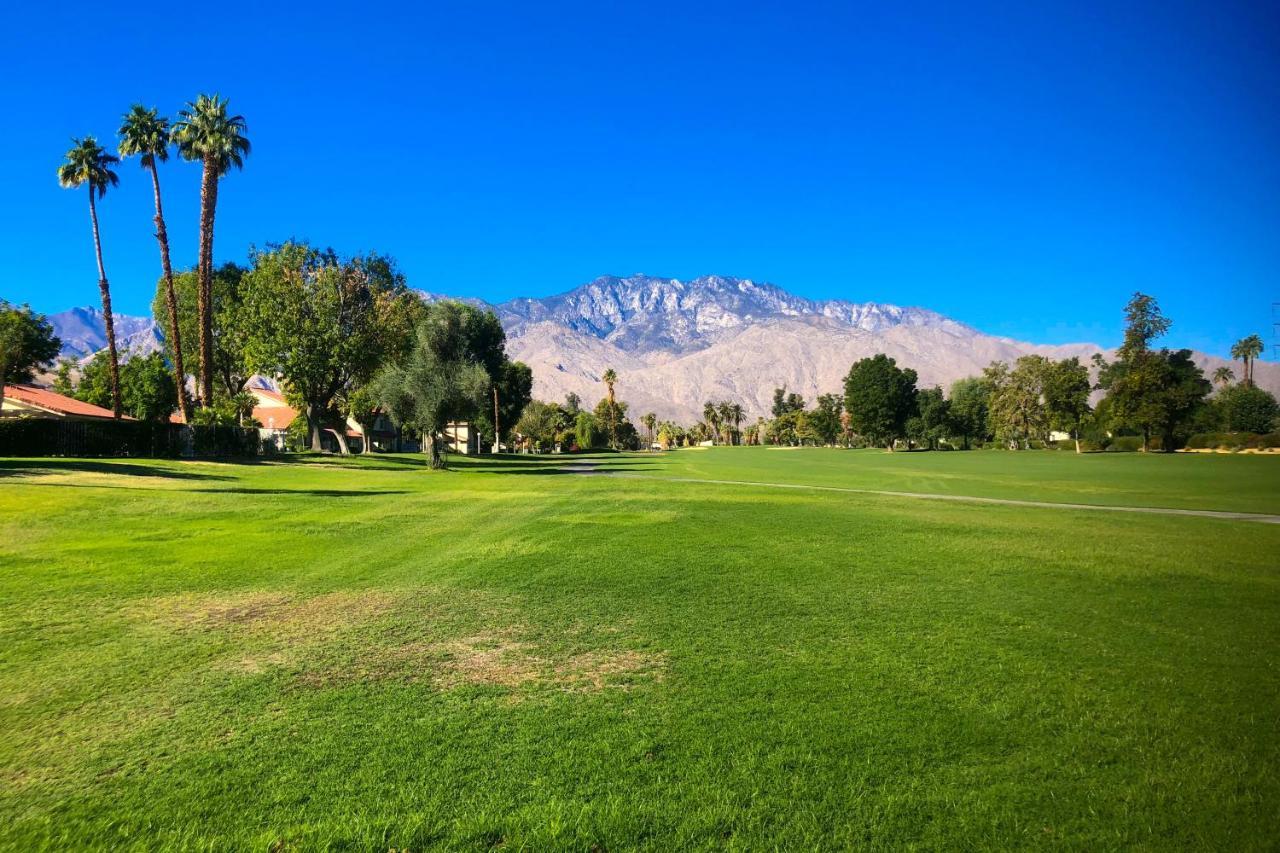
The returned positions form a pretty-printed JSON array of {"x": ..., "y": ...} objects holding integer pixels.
[
  {"x": 205, "y": 131},
  {"x": 725, "y": 411},
  {"x": 145, "y": 133},
  {"x": 711, "y": 415},
  {"x": 1223, "y": 376},
  {"x": 610, "y": 378},
  {"x": 1247, "y": 349},
  {"x": 650, "y": 420},
  {"x": 88, "y": 163},
  {"x": 736, "y": 413}
]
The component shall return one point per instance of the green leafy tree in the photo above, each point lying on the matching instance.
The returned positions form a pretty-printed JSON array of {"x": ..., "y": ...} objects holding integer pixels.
[
  {"x": 1066, "y": 396},
  {"x": 969, "y": 412},
  {"x": 1153, "y": 392},
  {"x": 512, "y": 391},
  {"x": 612, "y": 414},
  {"x": 88, "y": 164},
  {"x": 784, "y": 402},
  {"x": 539, "y": 423},
  {"x": 1247, "y": 408},
  {"x": 586, "y": 430},
  {"x": 146, "y": 385},
  {"x": 438, "y": 381},
  {"x": 324, "y": 325},
  {"x": 1016, "y": 409},
  {"x": 1247, "y": 349},
  {"x": 145, "y": 133},
  {"x": 824, "y": 421},
  {"x": 27, "y": 344},
  {"x": 207, "y": 133},
  {"x": 64, "y": 381},
  {"x": 935, "y": 417},
  {"x": 1223, "y": 376},
  {"x": 360, "y": 404},
  {"x": 880, "y": 397}
]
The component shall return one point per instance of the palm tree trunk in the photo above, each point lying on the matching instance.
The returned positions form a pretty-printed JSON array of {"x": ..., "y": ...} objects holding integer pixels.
[
  {"x": 171, "y": 297},
  {"x": 204, "y": 307},
  {"x": 107, "y": 317}
]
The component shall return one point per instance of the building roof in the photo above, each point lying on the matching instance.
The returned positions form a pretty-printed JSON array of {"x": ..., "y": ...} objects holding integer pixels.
[
  {"x": 269, "y": 399},
  {"x": 57, "y": 404},
  {"x": 275, "y": 417}
]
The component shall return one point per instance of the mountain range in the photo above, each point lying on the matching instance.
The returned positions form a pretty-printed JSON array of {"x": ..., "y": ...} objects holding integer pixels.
[{"x": 676, "y": 344}]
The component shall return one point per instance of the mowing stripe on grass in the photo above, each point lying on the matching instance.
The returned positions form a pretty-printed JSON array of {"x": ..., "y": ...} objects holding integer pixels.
[{"x": 933, "y": 496}]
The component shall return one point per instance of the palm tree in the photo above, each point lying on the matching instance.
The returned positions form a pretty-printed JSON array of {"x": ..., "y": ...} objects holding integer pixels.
[
  {"x": 205, "y": 132},
  {"x": 649, "y": 420},
  {"x": 1223, "y": 376},
  {"x": 146, "y": 133},
  {"x": 89, "y": 163},
  {"x": 1247, "y": 349},
  {"x": 726, "y": 421},
  {"x": 610, "y": 378},
  {"x": 711, "y": 415},
  {"x": 736, "y": 414}
]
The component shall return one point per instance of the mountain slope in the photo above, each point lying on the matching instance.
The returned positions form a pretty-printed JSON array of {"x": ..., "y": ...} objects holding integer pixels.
[
  {"x": 676, "y": 344},
  {"x": 83, "y": 332}
]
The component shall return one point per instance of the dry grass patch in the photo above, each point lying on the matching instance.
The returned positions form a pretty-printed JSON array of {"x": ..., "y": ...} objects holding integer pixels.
[
  {"x": 498, "y": 658},
  {"x": 276, "y": 613}
]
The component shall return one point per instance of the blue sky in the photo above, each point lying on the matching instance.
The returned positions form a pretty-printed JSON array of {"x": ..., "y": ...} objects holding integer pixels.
[{"x": 1021, "y": 167}]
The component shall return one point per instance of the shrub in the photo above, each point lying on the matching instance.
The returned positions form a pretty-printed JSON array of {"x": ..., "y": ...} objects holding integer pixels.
[
  {"x": 1125, "y": 444},
  {"x": 1232, "y": 440}
]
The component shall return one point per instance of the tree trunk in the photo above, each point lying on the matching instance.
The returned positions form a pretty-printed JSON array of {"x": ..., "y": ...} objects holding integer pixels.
[
  {"x": 313, "y": 426},
  {"x": 340, "y": 434},
  {"x": 431, "y": 444},
  {"x": 171, "y": 297},
  {"x": 208, "y": 209},
  {"x": 497, "y": 428},
  {"x": 107, "y": 317}
]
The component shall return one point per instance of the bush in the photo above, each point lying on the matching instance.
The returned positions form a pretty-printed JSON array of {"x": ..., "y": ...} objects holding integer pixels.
[
  {"x": 1233, "y": 440},
  {"x": 1125, "y": 444}
]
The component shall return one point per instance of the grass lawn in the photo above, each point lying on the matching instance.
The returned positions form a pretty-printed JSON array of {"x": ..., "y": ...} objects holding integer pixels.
[{"x": 365, "y": 654}]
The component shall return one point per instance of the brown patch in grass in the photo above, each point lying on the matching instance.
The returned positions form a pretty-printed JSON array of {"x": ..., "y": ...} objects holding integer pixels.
[
  {"x": 590, "y": 672},
  {"x": 498, "y": 659},
  {"x": 272, "y": 612}
]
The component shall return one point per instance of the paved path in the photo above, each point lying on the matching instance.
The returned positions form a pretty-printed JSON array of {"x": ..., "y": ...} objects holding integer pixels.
[{"x": 1150, "y": 510}]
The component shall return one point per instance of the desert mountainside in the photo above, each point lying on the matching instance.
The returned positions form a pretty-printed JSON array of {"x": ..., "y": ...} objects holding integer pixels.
[{"x": 676, "y": 344}]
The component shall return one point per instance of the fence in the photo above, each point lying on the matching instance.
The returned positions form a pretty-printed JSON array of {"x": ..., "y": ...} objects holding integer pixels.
[{"x": 51, "y": 437}]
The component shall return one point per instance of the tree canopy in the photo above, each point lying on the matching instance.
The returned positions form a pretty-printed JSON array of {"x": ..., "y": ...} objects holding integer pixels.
[{"x": 880, "y": 397}]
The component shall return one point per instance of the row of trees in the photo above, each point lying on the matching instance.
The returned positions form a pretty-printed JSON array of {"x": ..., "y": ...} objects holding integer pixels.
[
  {"x": 1148, "y": 392},
  {"x": 205, "y": 132}
]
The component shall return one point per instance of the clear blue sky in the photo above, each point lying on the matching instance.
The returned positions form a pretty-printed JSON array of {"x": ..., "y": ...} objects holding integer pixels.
[{"x": 1022, "y": 167}]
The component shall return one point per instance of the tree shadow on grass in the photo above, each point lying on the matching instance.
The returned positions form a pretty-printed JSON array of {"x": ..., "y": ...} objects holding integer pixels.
[
  {"x": 570, "y": 465},
  {"x": 315, "y": 493},
  {"x": 23, "y": 467}
]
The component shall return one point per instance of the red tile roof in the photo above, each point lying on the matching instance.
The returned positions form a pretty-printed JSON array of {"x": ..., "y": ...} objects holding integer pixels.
[
  {"x": 275, "y": 417},
  {"x": 43, "y": 398}
]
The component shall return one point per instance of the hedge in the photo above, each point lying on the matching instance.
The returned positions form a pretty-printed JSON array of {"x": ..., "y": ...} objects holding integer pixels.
[
  {"x": 1232, "y": 440},
  {"x": 52, "y": 437}
]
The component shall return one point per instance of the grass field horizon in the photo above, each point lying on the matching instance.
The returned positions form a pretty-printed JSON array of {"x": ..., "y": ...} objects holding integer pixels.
[{"x": 359, "y": 652}]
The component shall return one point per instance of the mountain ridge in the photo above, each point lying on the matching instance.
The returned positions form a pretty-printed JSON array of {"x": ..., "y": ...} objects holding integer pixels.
[{"x": 678, "y": 343}]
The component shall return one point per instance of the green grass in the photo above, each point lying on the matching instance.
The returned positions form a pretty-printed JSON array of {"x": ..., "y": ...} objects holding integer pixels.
[{"x": 364, "y": 654}]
